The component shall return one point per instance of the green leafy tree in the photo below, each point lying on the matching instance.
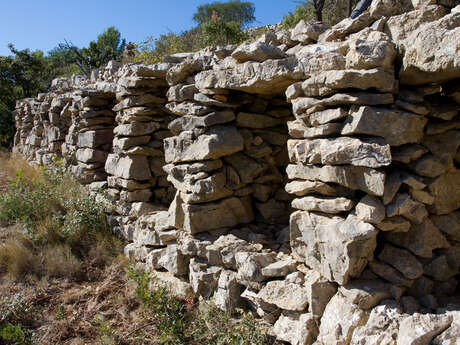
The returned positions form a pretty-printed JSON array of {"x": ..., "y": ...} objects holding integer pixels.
[
  {"x": 241, "y": 12},
  {"x": 328, "y": 11},
  {"x": 23, "y": 74},
  {"x": 108, "y": 46}
]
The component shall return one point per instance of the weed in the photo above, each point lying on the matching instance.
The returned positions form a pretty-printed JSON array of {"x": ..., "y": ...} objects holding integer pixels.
[
  {"x": 15, "y": 316},
  {"x": 179, "y": 323},
  {"x": 62, "y": 224}
]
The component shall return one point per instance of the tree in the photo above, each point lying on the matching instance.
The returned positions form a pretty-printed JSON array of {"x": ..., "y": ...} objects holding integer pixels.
[
  {"x": 109, "y": 46},
  {"x": 241, "y": 12},
  {"x": 23, "y": 74},
  {"x": 330, "y": 11}
]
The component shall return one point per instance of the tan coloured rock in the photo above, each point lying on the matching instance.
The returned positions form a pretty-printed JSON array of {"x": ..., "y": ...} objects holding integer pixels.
[
  {"x": 225, "y": 213},
  {"x": 326, "y": 205},
  {"x": 301, "y": 188},
  {"x": 366, "y": 179},
  {"x": 284, "y": 295},
  {"x": 396, "y": 127},
  {"x": 128, "y": 167},
  {"x": 381, "y": 327},
  {"x": 94, "y": 139},
  {"x": 250, "y": 265},
  {"x": 366, "y": 294},
  {"x": 403, "y": 205},
  {"x": 370, "y": 209},
  {"x": 302, "y": 104},
  {"x": 319, "y": 292},
  {"x": 306, "y": 32},
  {"x": 326, "y": 116},
  {"x": 402, "y": 260},
  {"x": 296, "y": 331},
  {"x": 257, "y": 51},
  {"x": 268, "y": 77},
  {"x": 371, "y": 153},
  {"x": 420, "y": 329},
  {"x": 421, "y": 240},
  {"x": 397, "y": 224},
  {"x": 189, "y": 122},
  {"x": 337, "y": 248},
  {"x": 339, "y": 321},
  {"x": 446, "y": 192},
  {"x": 216, "y": 142},
  {"x": 298, "y": 129},
  {"x": 329, "y": 82},
  {"x": 432, "y": 51}
]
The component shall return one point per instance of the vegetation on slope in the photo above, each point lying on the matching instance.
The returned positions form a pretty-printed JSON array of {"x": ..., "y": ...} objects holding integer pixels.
[{"x": 63, "y": 279}]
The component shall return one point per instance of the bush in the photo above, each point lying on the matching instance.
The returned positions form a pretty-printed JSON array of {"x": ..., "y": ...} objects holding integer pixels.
[
  {"x": 181, "y": 322},
  {"x": 62, "y": 224},
  {"x": 16, "y": 316}
]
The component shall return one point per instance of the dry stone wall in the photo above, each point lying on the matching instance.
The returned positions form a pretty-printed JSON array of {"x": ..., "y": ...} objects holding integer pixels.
[{"x": 311, "y": 176}]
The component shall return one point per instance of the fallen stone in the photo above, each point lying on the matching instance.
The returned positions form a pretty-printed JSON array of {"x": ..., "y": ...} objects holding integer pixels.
[{"x": 250, "y": 265}]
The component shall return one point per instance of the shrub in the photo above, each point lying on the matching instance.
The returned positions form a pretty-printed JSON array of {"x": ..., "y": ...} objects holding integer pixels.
[
  {"x": 61, "y": 225},
  {"x": 16, "y": 316},
  {"x": 180, "y": 322}
]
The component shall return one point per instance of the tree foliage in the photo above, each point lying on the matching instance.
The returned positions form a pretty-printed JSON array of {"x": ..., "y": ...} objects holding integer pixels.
[
  {"x": 218, "y": 23},
  {"x": 328, "y": 11},
  {"x": 25, "y": 73},
  {"x": 22, "y": 74},
  {"x": 241, "y": 12}
]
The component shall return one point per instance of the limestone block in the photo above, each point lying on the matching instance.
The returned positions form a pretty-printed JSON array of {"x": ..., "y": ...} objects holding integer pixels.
[
  {"x": 257, "y": 51},
  {"x": 371, "y": 153},
  {"x": 324, "y": 204},
  {"x": 339, "y": 320},
  {"x": 366, "y": 179},
  {"x": 420, "y": 329},
  {"x": 337, "y": 248},
  {"x": 216, "y": 142},
  {"x": 296, "y": 331},
  {"x": 128, "y": 167},
  {"x": 328, "y": 82},
  {"x": 215, "y": 215},
  {"x": 396, "y": 127},
  {"x": 287, "y": 296}
]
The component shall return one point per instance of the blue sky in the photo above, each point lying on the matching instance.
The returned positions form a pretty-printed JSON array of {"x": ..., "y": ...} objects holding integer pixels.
[{"x": 42, "y": 24}]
